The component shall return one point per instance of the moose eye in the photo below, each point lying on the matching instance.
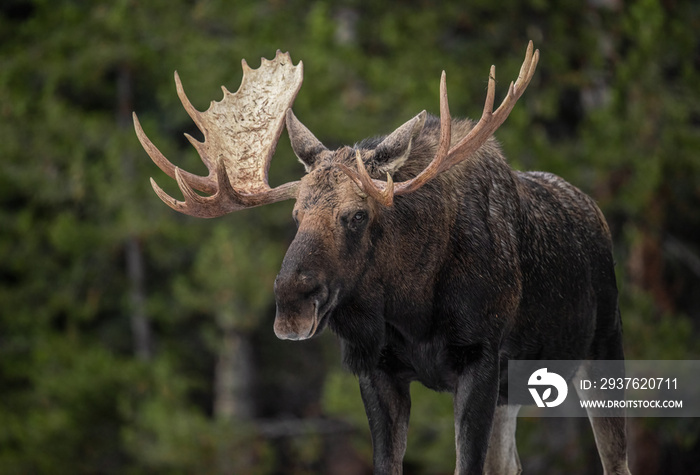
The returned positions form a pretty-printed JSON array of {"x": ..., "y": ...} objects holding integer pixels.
[
  {"x": 359, "y": 217},
  {"x": 355, "y": 220}
]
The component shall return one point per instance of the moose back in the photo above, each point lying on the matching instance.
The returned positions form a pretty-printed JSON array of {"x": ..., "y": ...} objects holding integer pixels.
[{"x": 429, "y": 257}]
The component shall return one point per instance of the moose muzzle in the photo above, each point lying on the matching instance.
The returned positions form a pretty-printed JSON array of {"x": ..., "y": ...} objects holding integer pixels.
[{"x": 303, "y": 301}]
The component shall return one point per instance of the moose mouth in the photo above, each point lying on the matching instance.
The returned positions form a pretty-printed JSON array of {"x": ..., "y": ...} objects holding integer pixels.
[{"x": 321, "y": 311}]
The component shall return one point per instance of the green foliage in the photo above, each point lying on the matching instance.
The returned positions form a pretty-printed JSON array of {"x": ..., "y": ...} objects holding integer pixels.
[
  {"x": 166, "y": 434},
  {"x": 431, "y": 433},
  {"x": 63, "y": 401},
  {"x": 341, "y": 398}
]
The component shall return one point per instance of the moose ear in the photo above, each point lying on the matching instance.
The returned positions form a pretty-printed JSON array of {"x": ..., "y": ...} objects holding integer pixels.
[
  {"x": 393, "y": 151},
  {"x": 305, "y": 145}
]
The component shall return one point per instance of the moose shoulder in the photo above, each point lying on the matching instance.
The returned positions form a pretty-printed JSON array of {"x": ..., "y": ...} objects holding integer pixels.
[{"x": 429, "y": 257}]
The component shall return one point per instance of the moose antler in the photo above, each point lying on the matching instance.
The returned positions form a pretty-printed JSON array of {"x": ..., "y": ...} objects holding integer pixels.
[
  {"x": 240, "y": 135},
  {"x": 446, "y": 156}
]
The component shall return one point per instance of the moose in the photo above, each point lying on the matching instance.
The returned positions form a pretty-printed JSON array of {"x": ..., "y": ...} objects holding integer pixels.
[{"x": 428, "y": 256}]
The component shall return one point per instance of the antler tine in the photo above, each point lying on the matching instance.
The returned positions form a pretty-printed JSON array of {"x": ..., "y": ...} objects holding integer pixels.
[
  {"x": 490, "y": 120},
  {"x": 167, "y": 199},
  {"x": 384, "y": 192},
  {"x": 201, "y": 183},
  {"x": 446, "y": 157},
  {"x": 380, "y": 191},
  {"x": 438, "y": 164},
  {"x": 445, "y": 119},
  {"x": 225, "y": 200},
  {"x": 527, "y": 70},
  {"x": 194, "y": 204},
  {"x": 205, "y": 184},
  {"x": 240, "y": 135},
  {"x": 197, "y": 118}
]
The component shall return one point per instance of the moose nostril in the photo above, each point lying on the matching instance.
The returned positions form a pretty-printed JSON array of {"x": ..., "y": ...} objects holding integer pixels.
[
  {"x": 298, "y": 284},
  {"x": 309, "y": 282}
]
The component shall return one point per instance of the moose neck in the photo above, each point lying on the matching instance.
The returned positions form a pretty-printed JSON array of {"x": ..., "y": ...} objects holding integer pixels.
[{"x": 416, "y": 243}]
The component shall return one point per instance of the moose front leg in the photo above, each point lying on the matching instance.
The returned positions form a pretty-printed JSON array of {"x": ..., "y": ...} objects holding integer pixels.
[
  {"x": 475, "y": 398},
  {"x": 387, "y": 403}
]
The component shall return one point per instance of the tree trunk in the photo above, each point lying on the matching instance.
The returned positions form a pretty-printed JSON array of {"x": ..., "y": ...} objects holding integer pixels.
[
  {"x": 233, "y": 397},
  {"x": 140, "y": 325},
  {"x": 232, "y": 385}
]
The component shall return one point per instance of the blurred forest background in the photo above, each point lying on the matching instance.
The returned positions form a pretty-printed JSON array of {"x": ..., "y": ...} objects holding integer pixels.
[{"x": 137, "y": 340}]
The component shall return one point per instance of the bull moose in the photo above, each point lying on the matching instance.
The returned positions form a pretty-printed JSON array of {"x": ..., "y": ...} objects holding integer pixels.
[{"x": 424, "y": 252}]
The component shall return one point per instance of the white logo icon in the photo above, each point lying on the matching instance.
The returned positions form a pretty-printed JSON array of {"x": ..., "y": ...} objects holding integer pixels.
[{"x": 542, "y": 378}]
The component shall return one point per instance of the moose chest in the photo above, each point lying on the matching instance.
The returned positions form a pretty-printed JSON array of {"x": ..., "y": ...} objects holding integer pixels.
[{"x": 430, "y": 360}]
